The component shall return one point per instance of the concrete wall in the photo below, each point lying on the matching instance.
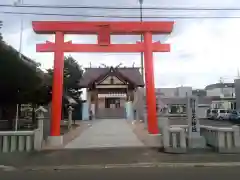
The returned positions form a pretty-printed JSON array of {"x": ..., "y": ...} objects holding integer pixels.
[
  {"x": 166, "y": 92},
  {"x": 184, "y": 91},
  {"x": 223, "y": 104},
  {"x": 202, "y": 112},
  {"x": 174, "y": 92}
]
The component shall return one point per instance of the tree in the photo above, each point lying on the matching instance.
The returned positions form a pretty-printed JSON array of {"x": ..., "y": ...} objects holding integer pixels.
[
  {"x": 20, "y": 77},
  {"x": 72, "y": 74},
  {"x": 21, "y": 81}
]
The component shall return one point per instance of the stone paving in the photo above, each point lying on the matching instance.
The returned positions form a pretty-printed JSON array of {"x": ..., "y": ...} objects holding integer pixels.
[{"x": 106, "y": 133}]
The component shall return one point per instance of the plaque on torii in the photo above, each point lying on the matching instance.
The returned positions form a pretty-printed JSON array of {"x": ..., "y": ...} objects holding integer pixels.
[{"x": 103, "y": 30}]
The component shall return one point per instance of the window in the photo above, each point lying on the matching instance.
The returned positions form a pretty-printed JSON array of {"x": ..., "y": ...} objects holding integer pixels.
[
  {"x": 214, "y": 111},
  {"x": 222, "y": 111}
]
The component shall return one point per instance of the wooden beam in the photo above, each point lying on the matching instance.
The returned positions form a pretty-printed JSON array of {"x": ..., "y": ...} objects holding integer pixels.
[
  {"x": 68, "y": 47},
  {"x": 129, "y": 28}
]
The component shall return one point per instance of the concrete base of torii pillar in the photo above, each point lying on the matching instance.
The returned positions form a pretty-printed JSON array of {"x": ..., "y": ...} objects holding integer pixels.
[{"x": 55, "y": 141}]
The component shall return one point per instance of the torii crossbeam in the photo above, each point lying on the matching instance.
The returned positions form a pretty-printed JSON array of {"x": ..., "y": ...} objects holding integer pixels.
[{"x": 103, "y": 30}]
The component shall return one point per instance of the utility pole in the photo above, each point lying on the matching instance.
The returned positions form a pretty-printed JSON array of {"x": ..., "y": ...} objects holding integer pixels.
[
  {"x": 0, "y": 32},
  {"x": 141, "y": 19},
  {"x": 17, "y": 3}
]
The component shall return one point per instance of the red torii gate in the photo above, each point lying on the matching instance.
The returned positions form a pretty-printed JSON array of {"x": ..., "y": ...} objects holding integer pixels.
[{"x": 104, "y": 30}]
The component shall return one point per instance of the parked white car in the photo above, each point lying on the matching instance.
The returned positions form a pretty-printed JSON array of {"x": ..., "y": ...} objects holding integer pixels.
[{"x": 222, "y": 114}]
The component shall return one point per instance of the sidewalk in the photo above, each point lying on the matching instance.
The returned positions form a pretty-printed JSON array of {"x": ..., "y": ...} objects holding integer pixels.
[
  {"x": 106, "y": 133},
  {"x": 108, "y": 156}
]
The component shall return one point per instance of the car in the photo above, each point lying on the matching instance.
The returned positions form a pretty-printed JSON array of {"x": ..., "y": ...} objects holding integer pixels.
[
  {"x": 221, "y": 114},
  {"x": 235, "y": 117},
  {"x": 227, "y": 115},
  {"x": 211, "y": 113}
]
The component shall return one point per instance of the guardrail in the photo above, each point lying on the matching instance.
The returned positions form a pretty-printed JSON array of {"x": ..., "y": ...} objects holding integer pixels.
[
  {"x": 224, "y": 140},
  {"x": 20, "y": 141}
]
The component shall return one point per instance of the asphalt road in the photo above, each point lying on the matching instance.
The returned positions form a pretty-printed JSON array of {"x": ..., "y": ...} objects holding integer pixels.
[
  {"x": 196, "y": 173},
  {"x": 206, "y": 122}
]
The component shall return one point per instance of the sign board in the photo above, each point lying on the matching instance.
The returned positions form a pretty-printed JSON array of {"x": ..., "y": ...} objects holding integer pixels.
[
  {"x": 193, "y": 121},
  {"x": 195, "y": 140},
  {"x": 112, "y": 95}
]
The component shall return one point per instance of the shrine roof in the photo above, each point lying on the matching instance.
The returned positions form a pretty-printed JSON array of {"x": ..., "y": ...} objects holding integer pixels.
[{"x": 131, "y": 74}]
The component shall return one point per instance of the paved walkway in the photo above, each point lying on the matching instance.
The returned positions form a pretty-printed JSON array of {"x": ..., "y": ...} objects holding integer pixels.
[{"x": 106, "y": 133}]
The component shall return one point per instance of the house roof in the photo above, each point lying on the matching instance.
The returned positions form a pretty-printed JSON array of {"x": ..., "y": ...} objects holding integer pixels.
[
  {"x": 220, "y": 85},
  {"x": 92, "y": 74}
]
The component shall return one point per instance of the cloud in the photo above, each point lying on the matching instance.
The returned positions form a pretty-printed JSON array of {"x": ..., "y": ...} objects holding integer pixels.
[{"x": 202, "y": 50}]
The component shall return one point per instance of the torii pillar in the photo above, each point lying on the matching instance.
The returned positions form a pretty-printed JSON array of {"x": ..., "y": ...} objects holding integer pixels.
[{"x": 150, "y": 87}]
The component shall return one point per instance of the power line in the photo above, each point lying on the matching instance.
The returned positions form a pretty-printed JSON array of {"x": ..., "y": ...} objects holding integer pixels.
[
  {"x": 124, "y": 8},
  {"x": 121, "y": 17}
]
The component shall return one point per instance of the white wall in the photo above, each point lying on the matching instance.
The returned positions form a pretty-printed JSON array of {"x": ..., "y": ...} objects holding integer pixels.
[
  {"x": 202, "y": 112},
  {"x": 184, "y": 91},
  {"x": 175, "y": 92},
  {"x": 221, "y": 104},
  {"x": 167, "y": 92}
]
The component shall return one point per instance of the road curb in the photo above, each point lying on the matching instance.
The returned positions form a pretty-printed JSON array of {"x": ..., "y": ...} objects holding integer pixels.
[{"x": 114, "y": 166}]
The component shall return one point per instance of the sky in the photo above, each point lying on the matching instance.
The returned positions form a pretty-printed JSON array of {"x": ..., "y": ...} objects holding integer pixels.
[{"x": 202, "y": 50}]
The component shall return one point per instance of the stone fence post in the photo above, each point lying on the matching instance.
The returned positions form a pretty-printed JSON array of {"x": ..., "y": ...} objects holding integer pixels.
[
  {"x": 70, "y": 110},
  {"x": 38, "y": 135}
]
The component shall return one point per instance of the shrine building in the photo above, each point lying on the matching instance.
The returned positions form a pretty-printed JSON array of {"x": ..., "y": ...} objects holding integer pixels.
[{"x": 109, "y": 88}]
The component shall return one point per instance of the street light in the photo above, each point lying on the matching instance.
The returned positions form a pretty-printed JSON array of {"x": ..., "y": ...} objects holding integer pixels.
[{"x": 141, "y": 19}]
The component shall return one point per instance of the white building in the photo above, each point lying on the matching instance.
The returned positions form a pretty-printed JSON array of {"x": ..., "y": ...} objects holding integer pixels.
[
  {"x": 223, "y": 95},
  {"x": 224, "y": 90},
  {"x": 173, "y": 98},
  {"x": 180, "y": 92}
]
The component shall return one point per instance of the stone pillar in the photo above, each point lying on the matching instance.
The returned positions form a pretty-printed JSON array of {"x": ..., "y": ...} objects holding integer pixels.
[
  {"x": 89, "y": 93},
  {"x": 194, "y": 138},
  {"x": 96, "y": 102},
  {"x": 70, "y": 110},
  {"x": 38, "y": 136}
]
